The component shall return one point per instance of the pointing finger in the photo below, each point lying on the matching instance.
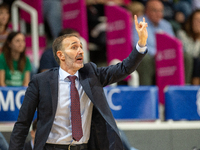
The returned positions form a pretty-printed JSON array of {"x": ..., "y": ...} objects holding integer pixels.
[
  {"x": 143, "y": 19},
  {"x": 136, "y": 21}
]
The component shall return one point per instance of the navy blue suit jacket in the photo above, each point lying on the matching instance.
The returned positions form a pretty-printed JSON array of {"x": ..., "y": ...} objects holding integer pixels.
[{"x": 42, "y": 94}]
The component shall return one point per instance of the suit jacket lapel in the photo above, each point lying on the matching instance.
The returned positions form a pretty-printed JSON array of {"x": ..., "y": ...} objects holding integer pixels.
[
  {"x": 54, "y": 89},
  {"x": 84, "y": 80}
]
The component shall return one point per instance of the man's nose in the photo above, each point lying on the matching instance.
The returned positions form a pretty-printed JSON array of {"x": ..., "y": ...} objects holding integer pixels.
[{"x": 81, "y": 50}]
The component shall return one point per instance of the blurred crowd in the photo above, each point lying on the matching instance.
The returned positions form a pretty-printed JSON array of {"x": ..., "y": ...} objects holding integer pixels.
[{"x": 177, "y": 18}]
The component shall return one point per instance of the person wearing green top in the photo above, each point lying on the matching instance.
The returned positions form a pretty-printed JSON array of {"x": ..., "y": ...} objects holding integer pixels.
[{"x": 15, "y": 67}]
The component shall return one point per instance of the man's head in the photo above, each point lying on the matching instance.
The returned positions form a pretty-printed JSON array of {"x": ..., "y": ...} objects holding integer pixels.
[
  {"x": 154, "y": 11},
  {"x": 68, "y": 53}
]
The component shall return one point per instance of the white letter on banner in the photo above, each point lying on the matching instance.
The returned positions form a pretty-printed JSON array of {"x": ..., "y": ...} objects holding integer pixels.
[
  {"x": 112, "y": 106},
  {"x": 198, "y": 102},
  {"x": 9, "y": 100},
  {"x": 18, "y": 97}
]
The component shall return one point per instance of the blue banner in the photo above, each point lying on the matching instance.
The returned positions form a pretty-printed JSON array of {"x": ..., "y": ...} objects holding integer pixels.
[
  {"x": 11, "y": 99},
  {"x": 127, "y": 102},
  {"x": 182, "y": 103}
]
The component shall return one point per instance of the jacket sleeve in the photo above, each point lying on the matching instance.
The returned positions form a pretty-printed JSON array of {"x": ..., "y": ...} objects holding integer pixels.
[
  {"x": 26, "y": 114},
  {"x": 118, "y": 72}
]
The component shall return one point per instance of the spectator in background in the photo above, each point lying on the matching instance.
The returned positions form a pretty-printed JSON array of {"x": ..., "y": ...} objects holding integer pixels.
[
  {"x": 15, "y": 67},
  {"x": 4, "y": 21},
  {"x": 190, "y": 37},
  {"x": 30, "y": 144},
  {"x": 184, "y": 6},
  {"x": 177, "y": 21},
  {"x": 3, "y": 142},
  {"x": 47, "y": 60},
  {"x": 154, "y": 17}
]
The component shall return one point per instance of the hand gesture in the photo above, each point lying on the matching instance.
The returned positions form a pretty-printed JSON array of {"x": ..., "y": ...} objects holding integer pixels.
[{"x": 141, "y": 29}]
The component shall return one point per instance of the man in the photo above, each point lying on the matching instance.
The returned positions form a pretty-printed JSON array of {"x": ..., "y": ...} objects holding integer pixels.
[
  {"x": 30, "y": 144},
  {"x": 53, "y": 93}
]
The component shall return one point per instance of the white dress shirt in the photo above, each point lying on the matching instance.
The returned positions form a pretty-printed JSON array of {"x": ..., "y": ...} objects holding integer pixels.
[{"x": 61, "y": 132}]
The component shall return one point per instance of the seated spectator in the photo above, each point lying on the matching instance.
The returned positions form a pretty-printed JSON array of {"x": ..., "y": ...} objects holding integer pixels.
[
  {"x": 177, "y": 21},
  {"x": 184, "y": 6},
  {"x": 4, "y": 21},
  {"x": 190, "y": 37},
  {"x": 47, "y": 60},
  {"x": 15, "y": 67},
  {"x": 154, "y": 17},
  {"x": 30, "y": 144}
]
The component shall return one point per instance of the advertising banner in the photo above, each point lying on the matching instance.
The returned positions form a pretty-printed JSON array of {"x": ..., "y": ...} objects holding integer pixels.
[
  {"x": 74, "y": 15},
  {"x": 129, "y": 103},
  {"x": 118, "y": 32},
  {"x": 169, "y": 63},
  {"x": 125, "y": 102},
  {"x": 182, "y": 103},
  {"x": 11, "y": 99}
]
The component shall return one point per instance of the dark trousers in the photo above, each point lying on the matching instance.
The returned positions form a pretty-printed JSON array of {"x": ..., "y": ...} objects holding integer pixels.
[{"x": 65, "y": 147}]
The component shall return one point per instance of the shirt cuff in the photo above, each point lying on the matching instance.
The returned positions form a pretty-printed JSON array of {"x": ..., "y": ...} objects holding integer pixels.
[{"x": 141, "y": 50}]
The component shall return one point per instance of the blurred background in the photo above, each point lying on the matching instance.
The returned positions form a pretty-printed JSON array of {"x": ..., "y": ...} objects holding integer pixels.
[{"x": 157, "y": 107}]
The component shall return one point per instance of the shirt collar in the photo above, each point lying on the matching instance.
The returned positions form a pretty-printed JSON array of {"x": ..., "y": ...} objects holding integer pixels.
[{"x": 63, "y": 74}]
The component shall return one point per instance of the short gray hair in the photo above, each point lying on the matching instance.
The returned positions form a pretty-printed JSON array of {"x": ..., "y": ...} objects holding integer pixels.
[{"x": 57, "y": 45}]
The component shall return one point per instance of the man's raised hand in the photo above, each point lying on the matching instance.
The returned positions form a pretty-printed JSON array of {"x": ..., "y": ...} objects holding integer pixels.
[{"x": 141, "y": 29}]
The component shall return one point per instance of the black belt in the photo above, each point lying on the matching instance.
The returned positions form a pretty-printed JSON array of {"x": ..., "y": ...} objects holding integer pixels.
[{"x": 68, "y": 147}]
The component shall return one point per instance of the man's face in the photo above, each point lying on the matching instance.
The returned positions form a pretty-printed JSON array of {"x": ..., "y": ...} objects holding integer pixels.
[
  {"x": 73, "y": 53},
  {"x": 154, "y": 11}
]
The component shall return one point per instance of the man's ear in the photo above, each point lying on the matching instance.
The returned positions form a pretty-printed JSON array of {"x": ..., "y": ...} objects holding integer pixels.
[{"x": 60, "y": 55}]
